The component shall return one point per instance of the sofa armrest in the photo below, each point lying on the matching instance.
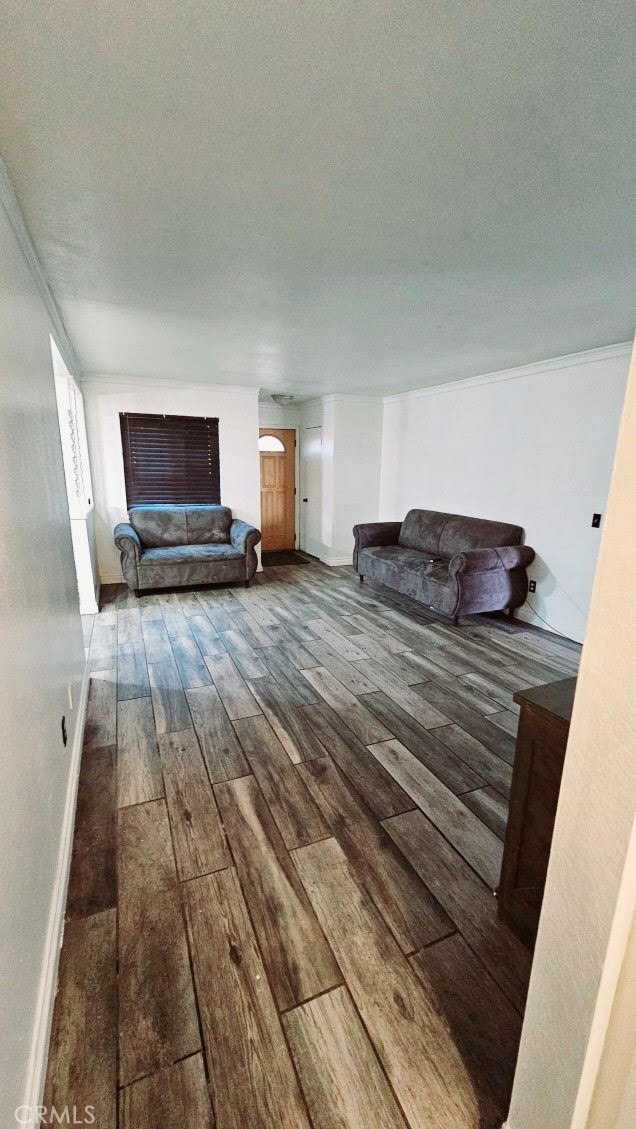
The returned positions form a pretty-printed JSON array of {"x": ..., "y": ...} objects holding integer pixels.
[
  {"x": 484, "y": 560},
  {"x": 129, "y": 545},
  {"x": 127, "y": 540},
  {"x": 374, "y": 533},
  {"x": 244, "y": 536}
]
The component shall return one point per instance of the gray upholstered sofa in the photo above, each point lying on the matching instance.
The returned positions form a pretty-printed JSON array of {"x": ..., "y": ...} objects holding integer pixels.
[
  {"x": 455, "y": 565},
  {"x": 167, "y": 546}
]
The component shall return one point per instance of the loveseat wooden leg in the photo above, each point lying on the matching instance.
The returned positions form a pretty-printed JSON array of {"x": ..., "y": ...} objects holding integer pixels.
[
  {"x": 361, "y": 578},
  {"x": 247, "y": 583}
]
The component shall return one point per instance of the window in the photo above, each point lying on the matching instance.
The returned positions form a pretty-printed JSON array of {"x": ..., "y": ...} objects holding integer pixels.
[
  {"x": 170, "y": 458},
  {"x": 270, "y": 443}
]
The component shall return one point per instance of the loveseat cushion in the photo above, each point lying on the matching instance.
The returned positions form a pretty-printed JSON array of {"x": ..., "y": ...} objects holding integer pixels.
[
  {"x": 208, "y": 525},
  {"x": 159, "y": 525},
  {"x": 178, "y": 554}
]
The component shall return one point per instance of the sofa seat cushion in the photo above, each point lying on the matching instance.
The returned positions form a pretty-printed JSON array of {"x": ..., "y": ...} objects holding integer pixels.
[
  {"x": 187, "y": 554},
  {"x": 413, "y": 573},
  {"x": 387, "y": 557}
]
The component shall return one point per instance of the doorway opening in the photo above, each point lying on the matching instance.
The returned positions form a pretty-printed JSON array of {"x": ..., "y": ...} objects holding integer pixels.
[
  {"x": 277, "y": 448},
  {"x": 79, "y": 490}
]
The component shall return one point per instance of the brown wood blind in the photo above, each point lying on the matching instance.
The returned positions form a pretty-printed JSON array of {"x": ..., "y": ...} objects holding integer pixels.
[{"x": 170, "y": 458}]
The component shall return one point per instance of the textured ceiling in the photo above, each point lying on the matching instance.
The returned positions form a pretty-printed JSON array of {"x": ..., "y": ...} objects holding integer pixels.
[{"x": 322, "y": 196}]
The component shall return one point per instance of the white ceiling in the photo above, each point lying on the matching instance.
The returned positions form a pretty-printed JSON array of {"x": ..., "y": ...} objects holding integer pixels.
[{"x": 314, "y": 195}]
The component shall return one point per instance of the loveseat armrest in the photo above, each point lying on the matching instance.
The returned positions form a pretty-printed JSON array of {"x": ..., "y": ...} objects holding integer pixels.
[
  {"x": 242, "y": 534},
  {"x": 129, "y": 545},
  {"x": 127, "y": 540},
  {"x": 245, "y": 538},
  {"x": 374, "y": 533},
  {"x": 484, "y": 560}
]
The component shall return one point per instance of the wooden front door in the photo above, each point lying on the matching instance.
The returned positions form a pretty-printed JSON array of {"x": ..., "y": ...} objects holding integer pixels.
[{"x": 278, "y": 502}]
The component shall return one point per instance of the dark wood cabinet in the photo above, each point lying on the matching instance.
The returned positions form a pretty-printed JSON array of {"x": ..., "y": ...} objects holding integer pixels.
[{"x": 542, "y": 736}]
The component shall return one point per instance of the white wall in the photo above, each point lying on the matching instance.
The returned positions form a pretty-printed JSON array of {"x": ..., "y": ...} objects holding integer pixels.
[
  {"x": 356, "y": 469},
  {"x": 614, "y": 1093},
  {"x": 278, "y": 415},
  {"x": 350, "y": 468},
  {"x": 533, "y": 446},
  {"x": 42, "y": 654},
  {"x": 237, "y": 411},
  {"x": 583, "y": 944}
]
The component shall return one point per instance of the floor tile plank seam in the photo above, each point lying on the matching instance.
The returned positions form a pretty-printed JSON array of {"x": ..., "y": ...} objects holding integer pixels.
[
  {"x": 467, "y": 763},
  {"x": 456, "y": 932},
  {"x": 244, "y": 895},
  {"x": 502, "y": 988},
  {"x": 201, "y": 1050},
  {"x": 511, "y": 654},
  {"x": 449, "y": 690},
  {"x": 452, "y": 845},
  {"x": 294, "y": 1067},
  {"x": 370, "y": 1040},
  {"x": 363, "y": 886},
  {"x": 267, "y": 975},
  {"x": 457, "y": 795},
  {"x": 514, "y": 654},
  {"x": 181, "y": 903},
  {"x": 378, "y": 1061},
  {"x": 360, "y": 798},
  {"x": 176, "y": 891},
  {"x": 121, "y": 1086}
]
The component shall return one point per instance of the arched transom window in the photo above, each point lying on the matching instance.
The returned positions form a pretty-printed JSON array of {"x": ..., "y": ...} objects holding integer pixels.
[{"x": 270, "y": 443}]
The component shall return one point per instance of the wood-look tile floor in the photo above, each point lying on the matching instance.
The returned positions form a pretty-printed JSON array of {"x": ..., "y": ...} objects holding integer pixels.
[{"x": 290, "y": 817}]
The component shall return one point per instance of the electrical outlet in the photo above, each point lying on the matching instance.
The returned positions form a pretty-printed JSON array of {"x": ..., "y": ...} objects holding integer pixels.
[
  {"x": 64, "y": 732},
  {"x": 596, "y": 521},
  {"x": 532, "y": 586}
]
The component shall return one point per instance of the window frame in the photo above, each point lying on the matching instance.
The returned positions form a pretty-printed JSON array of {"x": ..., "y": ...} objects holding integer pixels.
[{"x": 151, "y": 439}]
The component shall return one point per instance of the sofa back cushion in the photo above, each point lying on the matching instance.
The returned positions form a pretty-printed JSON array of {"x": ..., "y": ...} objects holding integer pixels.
[
  {"x": 421, "y": 529},
  {"x": 162, "y": 525},
  {"x": 444, "y": 535},
  {"x": 462, "y": 533},
  {"x": 208, "y": 525}
]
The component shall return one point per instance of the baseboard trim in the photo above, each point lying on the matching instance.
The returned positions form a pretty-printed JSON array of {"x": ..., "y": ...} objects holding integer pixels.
[
  {"x": 336, "y": 562},
  {"x": 111, "y": 578},
  {"x": 36, "y": 1071}
]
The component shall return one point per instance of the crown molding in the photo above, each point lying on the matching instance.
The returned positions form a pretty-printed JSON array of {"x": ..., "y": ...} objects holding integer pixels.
[
  {"x": 11, "y": 206},
  {"x": 345, "y": 398},
  {"x": 537, "y": 368},
  {"x": 93, "y": 380}
]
